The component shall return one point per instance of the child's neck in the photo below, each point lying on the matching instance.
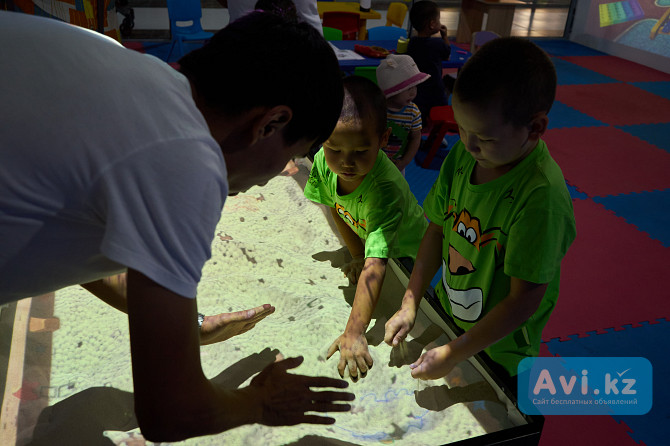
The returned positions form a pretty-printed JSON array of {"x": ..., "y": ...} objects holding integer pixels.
[
  {"x": 347, "y": 187},
  {"x": 425, "y": 33}
]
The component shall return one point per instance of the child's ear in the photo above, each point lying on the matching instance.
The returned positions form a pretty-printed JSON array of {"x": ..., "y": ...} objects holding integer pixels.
[
  {"x": 272, "y": 121},
  {"x": 384, "y": 139},
  {"x": 538, "y": 125}
]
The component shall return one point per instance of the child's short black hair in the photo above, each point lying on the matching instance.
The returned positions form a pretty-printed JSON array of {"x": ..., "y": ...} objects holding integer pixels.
[
  {"x": 262, "y": 60},
  {"x": 512, "y": 70},
  {"x": 422, "y": 13},
  {"x": 364, "y": 100},
  {"x": 282, "y": 8}
]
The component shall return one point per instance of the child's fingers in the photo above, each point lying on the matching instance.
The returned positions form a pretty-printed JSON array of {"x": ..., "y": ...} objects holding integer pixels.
[{"x": 332, "y": 349}]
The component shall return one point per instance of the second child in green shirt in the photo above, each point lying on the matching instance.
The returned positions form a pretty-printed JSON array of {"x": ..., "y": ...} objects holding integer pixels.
[{"x": 374, "y": 210}]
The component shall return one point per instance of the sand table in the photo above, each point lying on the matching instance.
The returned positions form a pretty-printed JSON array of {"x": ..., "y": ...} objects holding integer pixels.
[{"x": 271, "y": 246}]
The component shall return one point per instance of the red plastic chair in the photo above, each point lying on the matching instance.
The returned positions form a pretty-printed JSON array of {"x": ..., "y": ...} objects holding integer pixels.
[
  {"x": 442, "y": 122},
  {"x": 348, "y": 22}
]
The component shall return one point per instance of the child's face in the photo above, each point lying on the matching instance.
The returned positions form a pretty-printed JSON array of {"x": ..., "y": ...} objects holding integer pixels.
[
  {"x": 401, "y": 99},
  {"x": 435, "y": 24},
  {"x": 351, "y": 150},
  {"x": 492, "y": 142}
]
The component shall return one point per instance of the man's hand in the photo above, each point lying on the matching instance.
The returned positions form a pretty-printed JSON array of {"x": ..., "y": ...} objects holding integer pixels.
[
  {"x": 435, "y": 363},
  {"x": 353, "y": 353},
  {"x": 353, "y": 269},
  {"x": 286, "y": 397},
  {"x": 226, "y": 325},
  {"x": 400, "y": 324}
]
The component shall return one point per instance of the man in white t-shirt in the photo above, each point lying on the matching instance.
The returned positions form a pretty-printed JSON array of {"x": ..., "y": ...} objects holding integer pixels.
[{"x": 113, "y": 162}]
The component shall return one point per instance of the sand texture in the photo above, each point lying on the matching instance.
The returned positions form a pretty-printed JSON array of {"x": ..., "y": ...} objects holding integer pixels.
[{"x": 271, "y": 246}]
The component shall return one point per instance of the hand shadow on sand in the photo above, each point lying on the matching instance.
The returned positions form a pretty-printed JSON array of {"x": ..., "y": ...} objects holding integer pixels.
[
  {"x": 438, "y": 398},
  {"x": 82, "y": 419}
]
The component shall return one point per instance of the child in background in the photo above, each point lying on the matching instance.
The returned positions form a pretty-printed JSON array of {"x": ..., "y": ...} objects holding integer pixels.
[
  {"x": 428, "y": 49},
  {"x": 398, "y": 77},
  {"x": 501, "y": 217},
  {"x": 374, "y": 210}
]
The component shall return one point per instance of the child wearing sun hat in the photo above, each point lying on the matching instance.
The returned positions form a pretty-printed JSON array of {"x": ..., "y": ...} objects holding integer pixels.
[{"x": 398, "y": 76}]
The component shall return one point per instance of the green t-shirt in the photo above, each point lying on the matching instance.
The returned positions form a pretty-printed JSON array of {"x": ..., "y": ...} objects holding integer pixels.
[
  {"x": 518, "y": 225},
  {"x": 382, "y": 210}
]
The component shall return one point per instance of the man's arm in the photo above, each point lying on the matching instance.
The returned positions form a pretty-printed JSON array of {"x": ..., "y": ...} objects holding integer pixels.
[
  {"x": 520, "y": 304},
  {"x": 173, "y": 398}
]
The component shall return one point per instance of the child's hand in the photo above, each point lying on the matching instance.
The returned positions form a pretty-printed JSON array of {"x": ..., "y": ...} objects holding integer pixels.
[
  {"x": 226, "y": 325},
  {"x": 435, "y": 363},
  {"x": 353, "y": 353},
  {"x": 353, "y": 269},
  {"x": 400, "y": 324}
]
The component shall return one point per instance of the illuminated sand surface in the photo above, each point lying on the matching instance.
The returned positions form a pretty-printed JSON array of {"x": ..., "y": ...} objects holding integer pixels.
[{"x": 272, "y": 246}]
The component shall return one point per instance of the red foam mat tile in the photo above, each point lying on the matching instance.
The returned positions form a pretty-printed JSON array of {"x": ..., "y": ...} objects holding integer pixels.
[
  {"x": 612, "y": 275},
  {"x": 615, "y": 103},
  {"x": 584, "y": 430},
  {"x": 606, "y": 160},
  {"x": 619, "y": 69}
]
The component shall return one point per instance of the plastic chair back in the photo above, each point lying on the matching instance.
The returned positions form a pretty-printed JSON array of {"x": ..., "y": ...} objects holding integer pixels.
[
  {"x": 479, "y": 38},
  {"x": 386, "y": 33},
  {"x": 347, "y": 22},
  {"x": 395, "y": 15},
  {"x": 332, "y": 33},
  {"x": 185, "y": 24},
  {"x": 367, "y": 72}
]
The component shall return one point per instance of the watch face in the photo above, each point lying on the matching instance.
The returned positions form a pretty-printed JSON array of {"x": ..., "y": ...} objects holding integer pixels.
[{"x": 201, "y": 319}]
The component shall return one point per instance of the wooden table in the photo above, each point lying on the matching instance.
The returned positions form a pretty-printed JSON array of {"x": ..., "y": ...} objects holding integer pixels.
[
  {"x": 500, "y": 17},
  {"x": 350, "y": 7}
]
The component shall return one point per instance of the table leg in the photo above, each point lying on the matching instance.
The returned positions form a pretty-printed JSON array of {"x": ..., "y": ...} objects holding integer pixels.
[
  {"x": 470, "y": 20},
  {"x": 500, "y": 19},
  {"x": 362, "y": 29}
]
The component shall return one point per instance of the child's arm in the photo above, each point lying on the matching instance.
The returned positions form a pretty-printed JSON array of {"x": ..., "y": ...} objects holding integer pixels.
[
  {"x": 413, "y": 142},
  {"x": 428, "y": 261},
  {"x": 352, "y": 343},
  {"x": 355, "y": 246},
  {"x": 443, "y": 34},
  {"x": 522, "y": 301}
]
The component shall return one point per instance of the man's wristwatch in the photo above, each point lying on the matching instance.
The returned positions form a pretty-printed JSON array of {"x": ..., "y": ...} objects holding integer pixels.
[{"x": 201, "y": 319}]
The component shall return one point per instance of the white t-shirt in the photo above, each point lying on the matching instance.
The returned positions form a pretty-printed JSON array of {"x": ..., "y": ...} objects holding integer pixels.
[
  {"x": 307, "y": 11},
  {"x": 105, "y": 163}
]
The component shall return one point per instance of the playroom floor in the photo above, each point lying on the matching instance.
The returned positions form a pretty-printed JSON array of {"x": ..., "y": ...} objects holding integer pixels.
[{"x": 609, "y": 131}]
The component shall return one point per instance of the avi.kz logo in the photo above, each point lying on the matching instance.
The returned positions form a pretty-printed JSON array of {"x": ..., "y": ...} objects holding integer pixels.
[{"x": 585, "y": 386}]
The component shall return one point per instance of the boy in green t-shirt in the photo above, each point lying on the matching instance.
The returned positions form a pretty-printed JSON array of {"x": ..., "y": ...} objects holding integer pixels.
[
  {"x": 374, "y": 210},
  {"x": 500, "y": 214}
]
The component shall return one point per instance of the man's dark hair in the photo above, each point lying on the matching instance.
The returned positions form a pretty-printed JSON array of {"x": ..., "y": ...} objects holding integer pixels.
[
  {"x": 511, "y": 70},
  {"x": 364, "y": 100},
  {"x": 422, "y": 13},
  {"x": 262, "y": 60}
]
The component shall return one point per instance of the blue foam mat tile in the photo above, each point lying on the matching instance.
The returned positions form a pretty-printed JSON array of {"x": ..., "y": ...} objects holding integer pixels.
[
  {"x": 575, "y": 193},
  {"x": 561, "y": 116},
  {"x": 646, "y": 210},
  {"x": 564, "y": 48},
  {"x": 658, "y": 88},
  {"x": 569, "y": 73},
  {"x": 656, "y": 134},
  {"x": 645, "y": 340},
  {"x": 420, "y": 180}
]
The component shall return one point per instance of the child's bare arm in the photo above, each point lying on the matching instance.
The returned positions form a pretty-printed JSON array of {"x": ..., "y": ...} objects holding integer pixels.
[
  {"x": 352, "y": 343},
  {"x": 428, "y": 261},
  {"x": 413, "y": 142},
  {"x": 443, "y": 34},
  {"x": 522, "y": 301},
  {"x": 351, "y": 239}
]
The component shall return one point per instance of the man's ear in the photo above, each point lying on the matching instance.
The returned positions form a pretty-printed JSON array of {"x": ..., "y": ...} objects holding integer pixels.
[
  {"x": 272, "y": 121},
  {"x": 538, "y": 125}
]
